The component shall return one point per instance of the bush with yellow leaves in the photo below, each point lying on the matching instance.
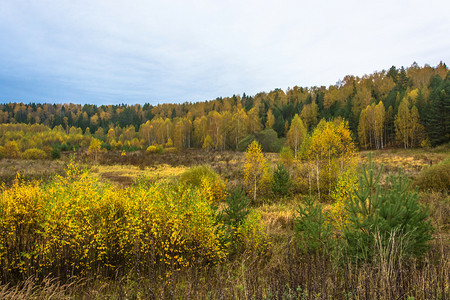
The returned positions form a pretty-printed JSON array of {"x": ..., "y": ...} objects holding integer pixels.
[
  {"x": 346, "y": 183},
  {"x": 76, "y": 227},
  {"x": 205, "y": 178}
]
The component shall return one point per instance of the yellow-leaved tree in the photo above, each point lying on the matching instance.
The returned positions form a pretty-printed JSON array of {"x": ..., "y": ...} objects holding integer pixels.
[
  {"x": 95, "y": 148},
  {"x": 328, "y": 152},
  {"x": 296, "y": 134},
  {"x": 255, "y": 164}
]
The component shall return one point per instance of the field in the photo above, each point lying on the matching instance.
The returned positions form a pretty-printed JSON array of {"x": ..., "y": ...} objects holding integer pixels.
[{"x": 263, "y": 259}]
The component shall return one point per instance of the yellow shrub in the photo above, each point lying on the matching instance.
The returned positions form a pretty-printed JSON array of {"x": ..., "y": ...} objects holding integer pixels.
[
  {"x": 155, "y": 149},
  {"x": 251, "y": 236},
  {"x": 346, "y": 182},
  {"x": 76, "y": 226},
  {"x": 20, "y": 219},
  {"x": 208, "y": 181},
  {"x": 34, "y": 153}
]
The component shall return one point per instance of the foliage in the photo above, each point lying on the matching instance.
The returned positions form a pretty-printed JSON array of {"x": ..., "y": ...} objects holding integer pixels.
[
  {"x": 296, "y": 134},
  {"x": 268, "y": 139},
  {"x": 208, "y": 143},
  {"x": 435, "y": 178},
  {"x": 206, "y": 178},
  {"x": 11, "y": 150},
  {"x": 407, "y": 126},
  {"x": 378, "y": 213},
  {"x": 346, "y": 183},
  {"x": 286, "y": 156},
  {"x": 245, "y": 142},
  {"x": 237, "y": 207},
  {"x": 155, "y": 149},
  {"x": 409, "y": 105},
  {"x": 94, "y": 148},
  {"x": 75, "y": 227},
  {"x": 255, "y": 165},
  {"x": 169, "y": 143},
  {"x": 328, "y": 152},
  {"x": 34, "y": 153},
  {"x": 281, "y": 181},
  {"x": 56, "y": 153},
  {"x": 250, "y": 236},
  {"x": 311, "y": 228}
]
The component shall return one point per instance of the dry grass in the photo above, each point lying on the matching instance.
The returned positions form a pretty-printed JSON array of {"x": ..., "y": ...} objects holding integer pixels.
[
  {"x": 412, "y": 161},
  {"x": 127, "y": 174},
  {"x": 30, "y": 289},
  {"x": 29, "y": 169},
  {"x": 278, "y": 220}
]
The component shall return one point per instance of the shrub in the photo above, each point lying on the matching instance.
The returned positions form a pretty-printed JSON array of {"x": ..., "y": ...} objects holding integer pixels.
[
  {"x": 251, "y": 236},
  {"x": 56, "y": 152},
  {"x": 155, "y": 149},
  {"x": 378, "y": 214},
  {"x": 435, "y": 178},
  {"x": 76, "y": 227},
  {"x": 171, "y": 149},
  {"x": 205, "y": 178},
  {"x": 169, "y": 143},
  {"x": 346, "y": 183},
  {"x": 268, "y": 138},
  {"x": 281, "y": 181},
  {"x": 11, "y": 150},
  {"x": 34, "y": 153},
  {"x": 286, "y": 156},
  {"x": 245, "y": 142}
]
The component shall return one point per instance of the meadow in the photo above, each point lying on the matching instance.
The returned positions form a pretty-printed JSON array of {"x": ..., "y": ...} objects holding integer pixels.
[{"x": 153, "y": 226}]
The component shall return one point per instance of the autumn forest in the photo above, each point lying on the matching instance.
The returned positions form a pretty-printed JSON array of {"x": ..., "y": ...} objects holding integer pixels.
[
  {"x": 406, "y": 107},
  {"x": 337, "y": 192}
]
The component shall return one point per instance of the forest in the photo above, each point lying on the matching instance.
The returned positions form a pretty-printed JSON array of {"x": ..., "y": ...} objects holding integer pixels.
[
  {"x": 336, "y": 192},
  {"x": 406, "y": 107}
]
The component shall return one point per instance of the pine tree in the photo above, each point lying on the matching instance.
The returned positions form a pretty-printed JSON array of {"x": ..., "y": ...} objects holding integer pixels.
[
  {"x": 281, "y": 181},
  {"x": 438, "y": 119},
  {"x": 385, "y": 213}
]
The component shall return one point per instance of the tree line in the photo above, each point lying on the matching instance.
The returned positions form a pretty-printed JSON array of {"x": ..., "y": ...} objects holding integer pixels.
[{"x": 400, "y": 107}]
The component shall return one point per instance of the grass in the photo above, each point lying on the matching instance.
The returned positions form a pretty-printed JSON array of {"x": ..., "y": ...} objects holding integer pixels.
[
  {"x": 127, "y": 174},
  {"x": 29, "y": 169}
]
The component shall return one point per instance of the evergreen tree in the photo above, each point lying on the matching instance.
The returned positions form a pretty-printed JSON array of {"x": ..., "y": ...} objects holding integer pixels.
[
  {"x": 281, "y": 181},
  {"x": 383, "y": 216},
  {"x": 438, "y": 119}
]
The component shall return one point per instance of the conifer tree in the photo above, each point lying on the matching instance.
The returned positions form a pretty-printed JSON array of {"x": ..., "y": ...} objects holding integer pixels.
[{"x": 385, "y": 214}]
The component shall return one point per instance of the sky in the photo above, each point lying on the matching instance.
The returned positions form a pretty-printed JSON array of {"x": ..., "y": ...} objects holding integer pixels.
[{"x": 173, "y": 51}]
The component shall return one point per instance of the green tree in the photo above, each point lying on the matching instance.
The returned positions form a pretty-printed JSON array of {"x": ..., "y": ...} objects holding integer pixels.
[
  {"x": 380, "y": 215},
  {"x": 281, "y": 180}
]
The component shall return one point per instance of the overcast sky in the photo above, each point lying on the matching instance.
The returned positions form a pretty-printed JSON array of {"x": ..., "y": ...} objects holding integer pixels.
[{"x": 109, "y": 52}]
